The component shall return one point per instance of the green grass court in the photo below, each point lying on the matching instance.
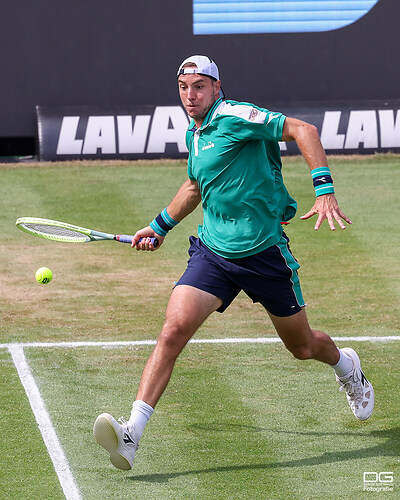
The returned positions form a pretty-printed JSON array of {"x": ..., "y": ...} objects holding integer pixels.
[{"x": 238, "y": 420}]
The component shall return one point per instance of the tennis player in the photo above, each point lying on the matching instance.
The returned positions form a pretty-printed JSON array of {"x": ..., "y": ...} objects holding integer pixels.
[{"x": 234, "y": 171}]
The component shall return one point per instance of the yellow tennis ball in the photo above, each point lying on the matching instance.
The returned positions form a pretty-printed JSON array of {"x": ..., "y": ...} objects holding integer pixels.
[{"x": 44, "y": 275}]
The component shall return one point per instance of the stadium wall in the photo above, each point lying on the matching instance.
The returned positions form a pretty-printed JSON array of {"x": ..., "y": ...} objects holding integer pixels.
[{"x": 123, "y": 56}]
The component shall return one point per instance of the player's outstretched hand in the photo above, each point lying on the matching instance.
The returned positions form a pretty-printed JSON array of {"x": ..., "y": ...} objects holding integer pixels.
[
  {"x": 145, "y": 244},
  {"x": 326, "y": 207}
]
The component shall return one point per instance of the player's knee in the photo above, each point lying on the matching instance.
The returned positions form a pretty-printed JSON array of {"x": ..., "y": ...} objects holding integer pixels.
[
  {"x": 173, "y": 337},
  {"x": 301, "y": 352}
]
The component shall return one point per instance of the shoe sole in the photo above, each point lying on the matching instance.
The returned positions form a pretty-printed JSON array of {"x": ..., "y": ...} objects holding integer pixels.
[{"x": 107, "y": 437}]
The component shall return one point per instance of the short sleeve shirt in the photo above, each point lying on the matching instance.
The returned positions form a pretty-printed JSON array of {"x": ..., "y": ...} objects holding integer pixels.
[{"x": 235, "y": 159}]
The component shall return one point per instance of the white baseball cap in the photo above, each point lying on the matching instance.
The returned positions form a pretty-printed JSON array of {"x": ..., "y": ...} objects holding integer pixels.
[{"x": 205, "y": 66}]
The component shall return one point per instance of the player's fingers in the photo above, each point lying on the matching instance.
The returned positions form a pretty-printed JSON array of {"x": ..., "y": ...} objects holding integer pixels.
[
  {"x": 344, "y": 217},
  {"x": 138, "y": 242},
  {"x": 135, "y": 241},
  {"x": 330, "y": 221},
  {"x": 308, "y": 214},
  {"x": 149, "y": 244},
  {"x": 338, "y": 220},
  {"x": 320, "y": 219},
  {"x": 146, "y": 242}
]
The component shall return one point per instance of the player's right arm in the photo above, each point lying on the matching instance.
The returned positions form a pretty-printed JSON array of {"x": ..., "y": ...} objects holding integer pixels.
[{"x": 184, "y": 202}]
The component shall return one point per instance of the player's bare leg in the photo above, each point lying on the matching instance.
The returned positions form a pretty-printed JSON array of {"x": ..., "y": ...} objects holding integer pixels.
[
  {"x": 305, "y": 343},
  {"x": 302, "y": 341},
  {"x": 188, "y": 308}
]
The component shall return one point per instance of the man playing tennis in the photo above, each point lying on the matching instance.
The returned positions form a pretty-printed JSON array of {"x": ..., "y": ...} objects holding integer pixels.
[{"x": 234, "y": 170}]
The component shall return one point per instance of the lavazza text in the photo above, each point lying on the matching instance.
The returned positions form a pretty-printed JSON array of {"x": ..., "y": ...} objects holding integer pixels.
[{"x": 150, "y": 133}]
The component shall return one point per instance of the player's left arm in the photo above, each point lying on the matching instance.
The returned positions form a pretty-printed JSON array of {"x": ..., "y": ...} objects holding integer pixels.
[
  {"x": 309, "y": 143},
  {"x": 184, "y": 202}
]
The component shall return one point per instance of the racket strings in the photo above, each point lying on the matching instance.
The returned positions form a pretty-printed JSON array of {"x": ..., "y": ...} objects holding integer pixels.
[{"x": 57, "y": 232}]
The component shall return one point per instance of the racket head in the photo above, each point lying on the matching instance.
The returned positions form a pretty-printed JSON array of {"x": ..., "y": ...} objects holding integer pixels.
[{"x": 53, "y": 230}]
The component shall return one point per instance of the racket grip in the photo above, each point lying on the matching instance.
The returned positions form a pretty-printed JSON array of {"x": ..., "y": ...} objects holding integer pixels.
[
  {"x": 126, "y": 238},
  {"x": 153, "y": 240}
]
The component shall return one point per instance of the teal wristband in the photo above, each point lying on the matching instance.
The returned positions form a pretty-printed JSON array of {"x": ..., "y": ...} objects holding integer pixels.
[
  {"x": 322, "y": 181},
  {"x": 168, "y": 220},
  {"x": 157, "y": 228},
  {"x": 163, "y": 223}
]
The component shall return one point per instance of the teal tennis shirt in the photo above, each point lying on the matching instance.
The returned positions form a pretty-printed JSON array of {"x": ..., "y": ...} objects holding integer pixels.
[{"x": 235, "y": 159}]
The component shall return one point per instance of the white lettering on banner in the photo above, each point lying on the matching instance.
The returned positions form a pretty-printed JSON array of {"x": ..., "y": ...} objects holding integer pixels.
[
  {"x": 329, "y": 133},
  {"x": 161, "y": 134},
  {"x": 362, "y": 129},
  {"x": 390, "y": 128},
  {"x": 67, "y": 142},
  {"x": 132, "y": 139},
  {"x": 127, "y": 134},
  {"x": 169, "y": 125},
  {"x": 100, "y": 134}
]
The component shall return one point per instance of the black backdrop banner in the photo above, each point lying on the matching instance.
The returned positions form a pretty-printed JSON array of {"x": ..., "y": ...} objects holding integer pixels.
[
  {"x": 111, "y": 132},
  {"x": 103, "y": 53},
  {"x": 134, "y": 132}
]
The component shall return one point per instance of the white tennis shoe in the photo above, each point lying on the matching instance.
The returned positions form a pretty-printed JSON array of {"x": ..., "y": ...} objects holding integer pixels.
[
  {"x": 118, "y": 439},
  {"x": 359, "y": 391}
]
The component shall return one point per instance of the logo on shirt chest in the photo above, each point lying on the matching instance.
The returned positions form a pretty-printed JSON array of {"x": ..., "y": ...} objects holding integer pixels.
[{"x": 208, "y": 146}]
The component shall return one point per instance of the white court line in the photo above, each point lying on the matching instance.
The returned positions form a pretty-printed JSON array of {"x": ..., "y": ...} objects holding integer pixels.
[
  {"x": 126, "y": 343},
  {"x": 46, "y": 428}
]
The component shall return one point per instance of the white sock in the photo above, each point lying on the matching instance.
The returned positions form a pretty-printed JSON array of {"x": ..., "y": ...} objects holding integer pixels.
[
  {"x": 141, "y": 412},
  {"x": 344, "y": 366}
]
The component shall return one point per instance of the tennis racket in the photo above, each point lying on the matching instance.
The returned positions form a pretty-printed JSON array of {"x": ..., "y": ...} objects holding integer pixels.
[{"x": 68, "y": 233}]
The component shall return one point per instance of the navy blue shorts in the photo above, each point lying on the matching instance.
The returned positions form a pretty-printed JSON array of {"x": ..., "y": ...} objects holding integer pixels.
[{"x": 269, "y": 277}]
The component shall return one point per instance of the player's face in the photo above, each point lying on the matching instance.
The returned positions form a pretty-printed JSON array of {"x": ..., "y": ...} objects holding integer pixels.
[{"x": 198, "y": 93}]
